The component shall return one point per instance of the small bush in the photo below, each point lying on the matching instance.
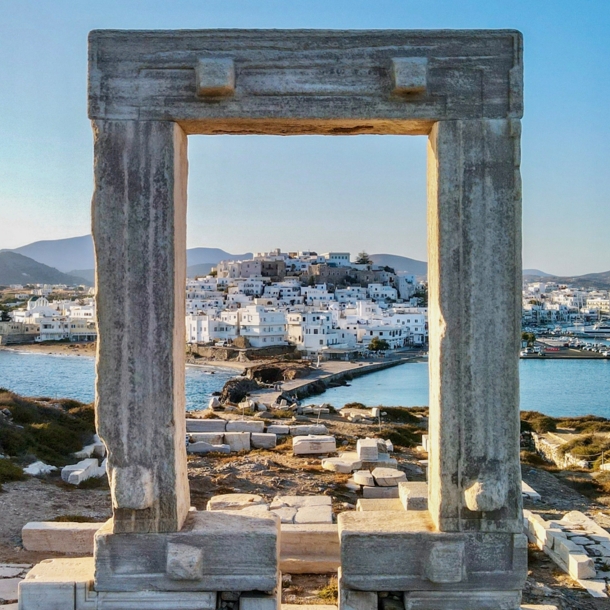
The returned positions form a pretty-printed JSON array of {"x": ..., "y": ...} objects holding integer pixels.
[
  {"x": 538, "y": 422},
  {"x": 355, "y": 405},
  {"x": 10, "y": 472},
  {"x": 402, "y": 436},
  {"x": 50, "y": 431},
  {"x": 74, "y": 519},
  {"x": 401, "y": 415},
  {"x": 330, "y": 593}
]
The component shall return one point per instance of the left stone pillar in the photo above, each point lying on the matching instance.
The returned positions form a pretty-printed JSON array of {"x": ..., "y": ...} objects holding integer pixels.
[{"x": 139, "y": 231}]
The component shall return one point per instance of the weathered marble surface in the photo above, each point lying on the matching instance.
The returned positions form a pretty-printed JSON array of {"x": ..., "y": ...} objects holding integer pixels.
[
  {"x": 214, "y": 551},
  {"x": 305, "y": 81},
  {"x": 139, "y": 231},
  {"x": 401, "y": 551},
  {"x": 474, "y": 274}
]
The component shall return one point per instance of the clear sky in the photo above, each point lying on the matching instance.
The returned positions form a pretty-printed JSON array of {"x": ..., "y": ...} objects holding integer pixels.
[{"x": 341, "y": 193}]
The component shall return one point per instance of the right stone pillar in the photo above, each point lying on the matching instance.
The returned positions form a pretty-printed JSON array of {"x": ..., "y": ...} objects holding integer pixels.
[{"x": 474, "y": 280}]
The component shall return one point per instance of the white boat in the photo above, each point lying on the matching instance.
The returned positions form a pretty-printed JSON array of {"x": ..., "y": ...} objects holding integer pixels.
[{"x": 599, "y": 329}]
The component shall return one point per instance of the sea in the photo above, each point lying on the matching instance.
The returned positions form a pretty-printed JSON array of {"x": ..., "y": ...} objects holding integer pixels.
[{"x": 558, "y": 388}]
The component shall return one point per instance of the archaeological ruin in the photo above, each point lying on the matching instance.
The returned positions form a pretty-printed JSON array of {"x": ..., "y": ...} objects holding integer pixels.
[{"x": 148, "y": 91}]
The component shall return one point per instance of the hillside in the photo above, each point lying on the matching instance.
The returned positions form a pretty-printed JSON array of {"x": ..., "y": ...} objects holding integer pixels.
[
  {"x": 589, "y": 280},
  {"x": 75, "y": 256},
  {"x": 18, "y": 269},
  {"x": 535, "y": 273},
  {"x": 62, "y": 254},
  {"x": 401, "y": 263},
  {"x": 212, "y": 256}
]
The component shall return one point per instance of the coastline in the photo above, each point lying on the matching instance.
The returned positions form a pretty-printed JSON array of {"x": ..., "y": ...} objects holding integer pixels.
[{"x": 329, "y": 374}]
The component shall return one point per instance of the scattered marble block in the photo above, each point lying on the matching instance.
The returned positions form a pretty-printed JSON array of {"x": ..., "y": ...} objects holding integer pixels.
[
  {"x": 312, "y": 445},
  {"x": 425, "y": 439},
  {"x": 383, "y": 460},
  {"x": 402, "y": 551},
  {"x": 313, "y": 430},
  {"x": 212, "y": 438},
  {"x": 77, "y": 473},
  {"x": 340, "y": 465},
  {"x": 280, "y": 430},
  {"x": 370, "y": 504},
  {"x": 529, "y": 493},
  {"x": 234, "y": 501},
  {"x": 351, "y": 484},
  {"x": 238, "y": 441},
  {"x": 214, "y": 551},
  {"x": 308, "y": 509},
  {"x": 314, "y": 514},
  {"x": 245, "y": 426},
  {"x": 379, "y": 492},
  {"x": 364, "y": 477},
  {"x": 65, "y": 584},
  {"x": 59, "y": 537},
  {"x": 413, "y": 495},
  {"x": 262, "y": 440},
  {"x": 202, "y": 447},
  {"x": 286, "y": 513},
  {"x": 309, "y": 549},
  {"x": 388, "y": 477},
  {"x": 205, "y": 425},
  {"x": 257, "y": 510},
  {"x": 39, "y": 468},
  {"x": 367, "y": 449},
  {"x": 96, "y": 449}
]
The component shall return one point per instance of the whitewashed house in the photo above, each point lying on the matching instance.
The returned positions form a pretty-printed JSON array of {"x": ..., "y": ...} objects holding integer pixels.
[
  {"x": 380, "y": 292},
  {"x": 262, "y": 326}
]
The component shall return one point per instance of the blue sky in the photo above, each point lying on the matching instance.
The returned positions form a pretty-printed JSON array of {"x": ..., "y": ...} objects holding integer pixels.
[{"x": 365, "y": 192}]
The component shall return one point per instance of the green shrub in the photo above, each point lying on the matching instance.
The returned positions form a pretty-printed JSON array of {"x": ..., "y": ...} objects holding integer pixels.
[
  {"x": 539, "y": 422},
  {"x": 9, "y": 472},
  {"x": 49, "y": 431},
  {"x": 402, "y": 436}
]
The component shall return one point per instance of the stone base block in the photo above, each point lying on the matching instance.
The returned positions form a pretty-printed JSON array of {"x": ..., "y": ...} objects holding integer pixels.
[
  {"x": 214, "y": 551},
  {"x": 401, "y": 551},
  {"x": 67, "y": 584},
  {"x": 463, "y": 600},
  {"x": 309, "y": 549},
  {"x": 376, "y": 504},
  {"x": 55, "y": 537}
]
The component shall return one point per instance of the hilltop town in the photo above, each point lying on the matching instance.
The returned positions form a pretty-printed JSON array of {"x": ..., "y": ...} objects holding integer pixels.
[
  {"x": 315, "y": 302},
  {"x": 330, "y": 304}
]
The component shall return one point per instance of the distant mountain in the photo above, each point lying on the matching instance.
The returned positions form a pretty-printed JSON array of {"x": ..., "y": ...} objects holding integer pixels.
[
  {"x": 18, "y": 269},
  {"x": 87, "y": 274},
  {"x": 201, "y": 269},
  {"x": 63, "y": 254},
  {"x": 589, "y": 280},
  {"x": 77, "y": 253},
  {"x": 536, "y": 273},
  {"x": 212, "y": 256},
  {"x": 401, "y": 263}
]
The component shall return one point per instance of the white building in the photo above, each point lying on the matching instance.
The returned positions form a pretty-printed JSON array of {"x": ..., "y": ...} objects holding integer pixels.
[
  {"x": 341, "y": 259},
  {"x": 406, "y": 285},
  {"x": 352, "y": 294},
  {"x": 203, "y": 328},
  {"x": 379, "y": 292},
  {"x": 262, "y": 326}
]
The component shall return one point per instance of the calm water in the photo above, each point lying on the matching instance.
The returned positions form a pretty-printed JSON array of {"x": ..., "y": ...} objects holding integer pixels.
[
  {"x": 74, "y": 376},
  {"x": 555, "y": 387}
]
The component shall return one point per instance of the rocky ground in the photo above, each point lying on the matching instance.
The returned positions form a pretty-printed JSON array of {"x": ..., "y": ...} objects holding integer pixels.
[{"x": 272, "y": 472}]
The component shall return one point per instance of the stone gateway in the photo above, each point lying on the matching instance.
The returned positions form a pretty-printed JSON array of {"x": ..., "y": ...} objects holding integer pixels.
[{"x": 149, "y": 90}]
